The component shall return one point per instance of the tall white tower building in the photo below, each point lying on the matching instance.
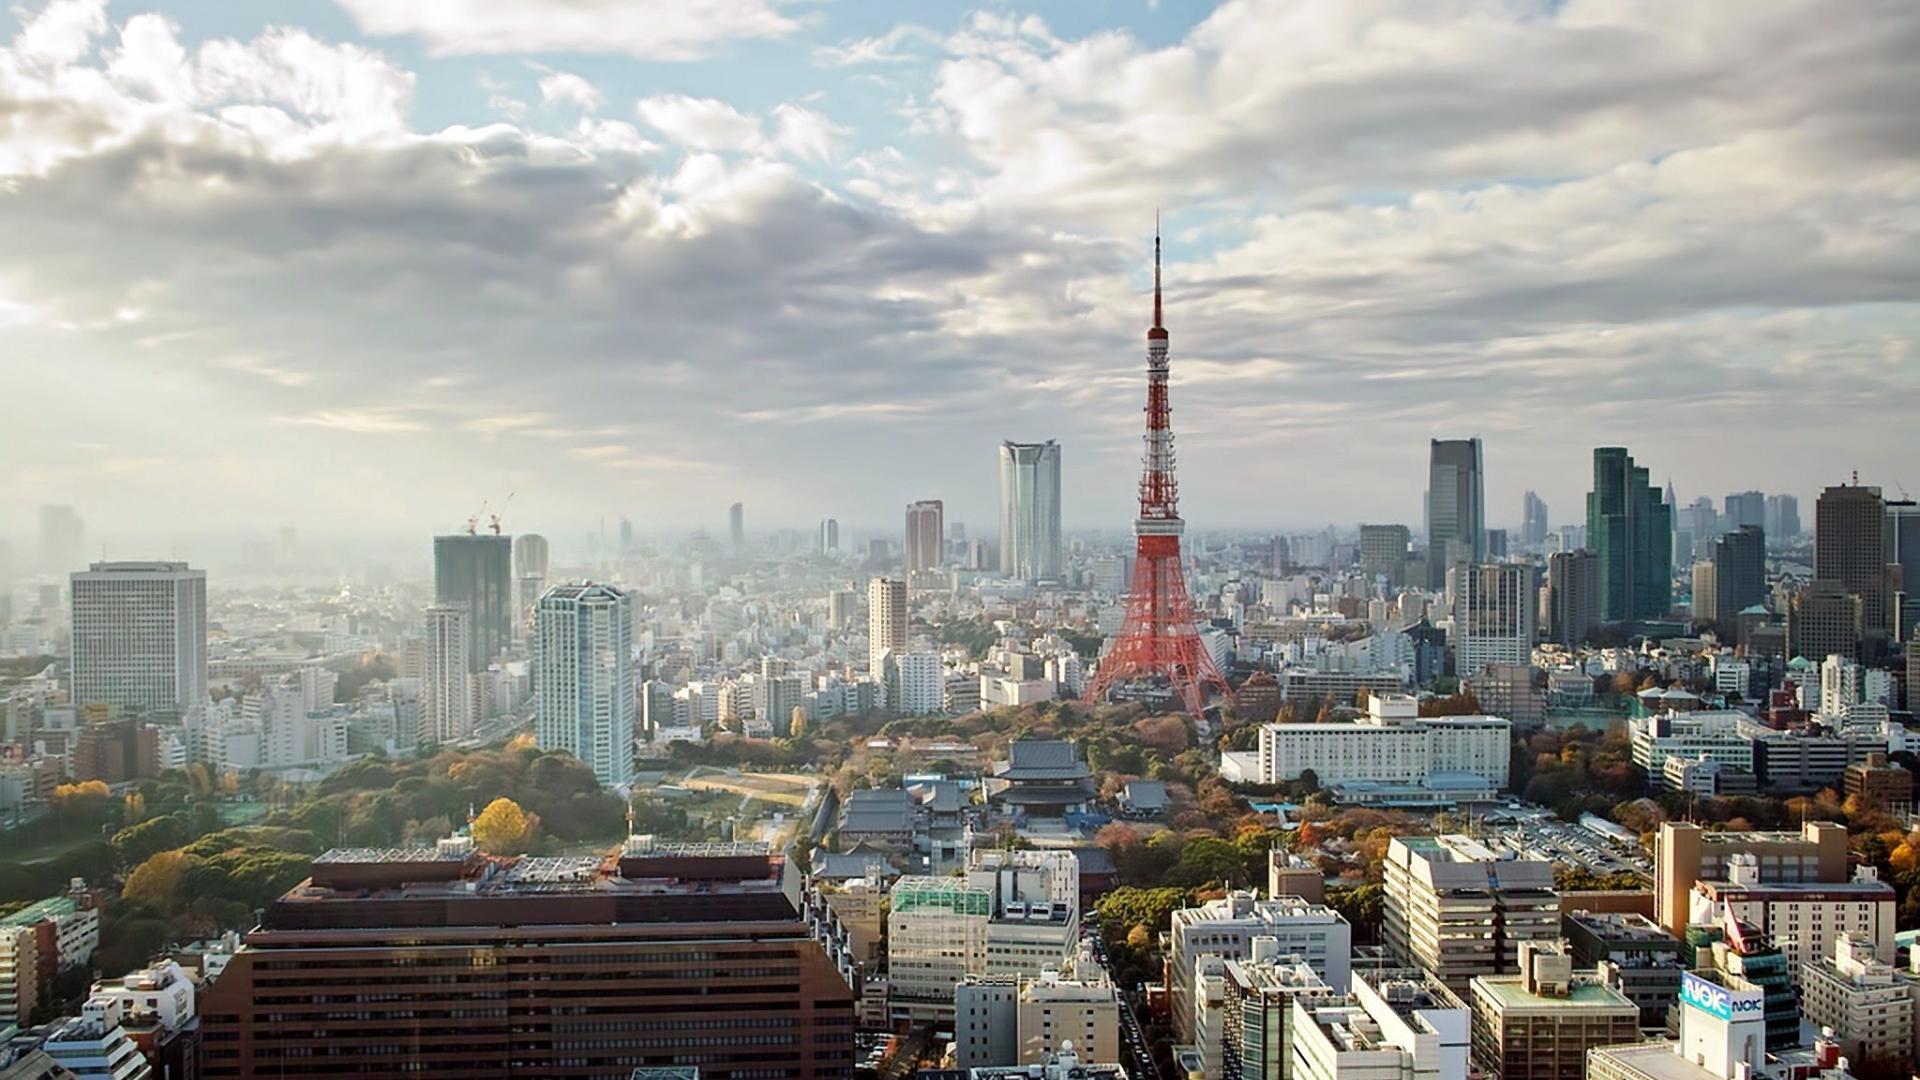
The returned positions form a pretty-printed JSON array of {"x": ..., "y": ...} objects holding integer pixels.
[
  {"x": 886, "y": 623},
  {"x": 446, "y": 694},
  {"x": 1494, "y": 606},
  {"x": 1030, "y": 510},
  {"x": 140, "y": 637},
  {"x": 583, "y": 655}
]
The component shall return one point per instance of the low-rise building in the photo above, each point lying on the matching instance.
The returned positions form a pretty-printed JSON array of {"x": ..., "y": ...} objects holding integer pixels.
[
  {"x": 1457, "y": 907},
  {"x": 1872, "y": 1008},
  {"x": 1879, "y": 784},
  {"x": 1634, "y": 956},
  {"x": 1540, "y": 1023},
  {"x": 95, "y": 1045},
  {"x": 1392, "y": 747},
  {"x": 1387, "y": 1027}
]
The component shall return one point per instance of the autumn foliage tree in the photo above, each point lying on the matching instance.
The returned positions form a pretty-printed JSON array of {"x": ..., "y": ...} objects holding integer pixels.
[
  {"x": 503, "y": 828},
  {"x": 155, "y": 883}
]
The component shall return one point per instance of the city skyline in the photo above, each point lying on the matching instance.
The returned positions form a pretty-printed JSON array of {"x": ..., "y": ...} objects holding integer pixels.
[{"x": 863, "y": 262}]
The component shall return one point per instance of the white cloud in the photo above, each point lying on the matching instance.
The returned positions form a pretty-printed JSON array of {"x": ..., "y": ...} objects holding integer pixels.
[
  {"x": 653, "y": 29},
  {"x": 803, "y": 133},
  {"x": 564, "y": 86},
  {"x": 700, "y": 123}
]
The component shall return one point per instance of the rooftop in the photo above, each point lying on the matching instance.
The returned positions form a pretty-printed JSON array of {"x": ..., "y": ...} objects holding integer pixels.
[
  {"x": 1042, "y": 759},
  {"x": 1617, "y": 927},
  {"x": 883, "y": 810},
  {"x": 54, "y": 907},
  {"x": 1583, "y": 994},
  {"x": 1656, "y": 1061}
]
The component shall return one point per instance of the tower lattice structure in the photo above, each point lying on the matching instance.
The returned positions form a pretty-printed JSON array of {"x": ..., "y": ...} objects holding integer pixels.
[{"x": 1160, "y": 641}]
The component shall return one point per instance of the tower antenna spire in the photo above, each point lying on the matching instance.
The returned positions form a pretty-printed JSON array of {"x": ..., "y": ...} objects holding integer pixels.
[{"x": 1156, "y": 268}]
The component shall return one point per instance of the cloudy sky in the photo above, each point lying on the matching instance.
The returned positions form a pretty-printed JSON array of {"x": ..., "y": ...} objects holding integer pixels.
[{"x": 357, "y": 264}]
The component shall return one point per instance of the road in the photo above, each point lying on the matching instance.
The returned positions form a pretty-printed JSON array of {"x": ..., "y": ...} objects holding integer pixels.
[{"x": 1134, "y": 1048}]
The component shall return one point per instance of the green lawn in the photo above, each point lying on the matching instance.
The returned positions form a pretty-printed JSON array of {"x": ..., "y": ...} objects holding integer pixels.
[{"x": 44, "y": 840}]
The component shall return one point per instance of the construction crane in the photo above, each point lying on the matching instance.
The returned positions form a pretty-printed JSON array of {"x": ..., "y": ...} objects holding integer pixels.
[
  {"x": 495, "y": 522},
  {"x": 473, "y": 523}
]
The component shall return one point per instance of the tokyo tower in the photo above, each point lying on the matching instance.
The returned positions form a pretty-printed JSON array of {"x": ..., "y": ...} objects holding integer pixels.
[{"x": 1160, "y": 643}]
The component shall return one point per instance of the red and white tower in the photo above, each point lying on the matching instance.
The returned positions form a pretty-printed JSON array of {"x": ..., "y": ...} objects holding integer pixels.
[{"x": 1160, "y": 643}]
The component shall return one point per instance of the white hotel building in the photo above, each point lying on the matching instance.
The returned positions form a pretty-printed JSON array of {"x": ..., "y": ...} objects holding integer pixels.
[{"x": 1391, "y": 751}]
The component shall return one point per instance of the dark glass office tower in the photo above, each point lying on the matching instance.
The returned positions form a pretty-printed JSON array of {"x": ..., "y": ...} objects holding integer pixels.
[
  {"x": 476, "y": 569},
  {"x": 1631, "y": 529}
]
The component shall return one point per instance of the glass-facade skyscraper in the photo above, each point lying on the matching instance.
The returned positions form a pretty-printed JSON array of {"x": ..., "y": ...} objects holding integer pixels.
[
  {"x": 476, "y": 569},
  {"x": 1630, "y": 527},
  {"x": 1456, "y": 507},
  {"x": 1030, "y": 510}
]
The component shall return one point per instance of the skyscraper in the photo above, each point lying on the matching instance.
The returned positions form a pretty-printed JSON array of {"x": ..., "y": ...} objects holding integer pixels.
[
  {"x": 1903, "y": 547},
  {"x": 583, "y": 637},
  {"x": 1456, "y": 507},
  {"x": 1533, "y": 521},
  {"x": 1383, "y": 550},
  {"x": 737, "y": 525},
  {"x": 476, "y": 569},
  {"x": 63, "y": 539},
  {"x": 1744, "y": 508},
  {"x": 1573, "y": 596},
  {"x": 1630, "y": 528},
  {"x": 1030, "y": 510},
  {"x": 926, "y": 535},
  {"x": 886, "y": 623},
  {"x": 1783, "y": 518},
  {"x": 1739, "y": 577},
  {"x": 140, "y": 637},
  {"x": 446, "y": 690},
  {"x": 827, "y": 542},
  {"x": 530, "y": 567},
  {"x": 1850, "y": 548},
  {"x": 1493, "y": 615}
]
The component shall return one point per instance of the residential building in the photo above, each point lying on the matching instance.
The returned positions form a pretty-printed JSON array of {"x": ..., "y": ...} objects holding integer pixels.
[
  {"x": 1850, "y": 549},
  {"x": 1030, "y": 546},
  {"x": 1493, "y": 615},
  {"x": 357, "y": 943},
  {"x": 1803, "y": 918},
  {"x": 1634, "y": 956},
  {"x": 1391, "y": 748},
  {"x": 1573, "y": 596},
  {"x": 1394, "y": 1025},
  {"x": 1872, "y": 1008},
  {"x": 447, "y": 705},
  {"x": 1384, "y": 551},
  {"x": 1540, "y": 1023},
  {"x": 20, "y": 974},
  {"x": 1456, "y": 507},
  {"x": 1322, "y": 684},
  {"x": 1226, "y": 928},
  {"x": 1878, "y": 783},
  {"x": 886, "y": 623},
  {"x": 476, "y": 569},
  {"x": 916, "y": 683},
  {"x": 926, "y": 536},
  {"x": 1630, "y": 530},
  {"x": 1684, "y": 854},
  {"x": 1457, "y": 907},
  {"x": 139, "y": 637},
  {"x": 96, "y": 1046},
  {"x": 583, "y": 645}
]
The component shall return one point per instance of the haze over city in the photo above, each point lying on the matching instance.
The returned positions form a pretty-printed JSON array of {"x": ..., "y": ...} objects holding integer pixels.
[{"x": 354, "y": 267}]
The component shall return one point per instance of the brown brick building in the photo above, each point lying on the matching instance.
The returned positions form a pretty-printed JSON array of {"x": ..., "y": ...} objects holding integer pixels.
[{"x": 458, "y": 965}]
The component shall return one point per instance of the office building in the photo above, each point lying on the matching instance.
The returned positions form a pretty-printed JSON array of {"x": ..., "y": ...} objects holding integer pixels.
[
  {"x": 737, "y": 526},
  {"x": 1226, "y": 928},
  {"x": 1723, "y": 1036},
  {"x": 139, "y": 633},
  {"x": 1066, "y": 1065},
  {"x": 886, "y": 623},
  {"x": 1744, "y": 509},
  {"x": 1456, "y": 507},
  {"x": 447, "y": 705},
  {"x": 530, "y": 573},
  {"x": 63, "y": 539},
  {"x": 1030, "y": 510},
  {"x": 827, "y": 538},
  {"x": 583, "y": 645},
  {"x": 1824, "y": 619},
  {"x": 1783, "y": 518},
  {"x": 1739, "y": 578},
  {"x": 1540, "y": 1023},
  {"x": 1804, "y": 917},
  {"x": 1384, "y": 551},
  {"x": 1850, "y": 549},
  {"x": 1256, "y": 1035},
  {"x": 986, "y": 1030},
  {"x": 1393, "y": 1025},
  {"x": 573, "y": 967},
  {"x": 1903, "y": 550},
  {"x": 1493, "y": 615},
  {"x": 1634, "y": 956},
  {"x": 1533, "y": 522},
  {"x": 1457, "y": 907},
  {"x": 1879, "y": 784},
  {"x": 1630, "y": 529},
  {"x": 1685, "y": 854},
  {"x": 1573, "y": 596},
  {"x": 926, "y": 535},
  {"x": 476, "y": 569},
  {"x": 1055, "y": 1012},
  {"x": 1392, "y": 749},
  {"x": 1872, "y": 1008}
]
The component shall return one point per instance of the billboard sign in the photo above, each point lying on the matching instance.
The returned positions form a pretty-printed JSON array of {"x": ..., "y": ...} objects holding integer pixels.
[{"x": 1718, "y": 1001}]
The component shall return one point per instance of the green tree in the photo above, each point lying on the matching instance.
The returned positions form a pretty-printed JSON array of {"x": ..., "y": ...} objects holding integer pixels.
[{"x": 135, "y": 844}]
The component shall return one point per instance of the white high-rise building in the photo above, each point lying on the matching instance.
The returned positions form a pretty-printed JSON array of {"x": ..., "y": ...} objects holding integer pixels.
[
  {"x": 1030, "y": 510},
  {"x": 583, "y": 638},
  {"x": 886, "y": 623},
  {"x": 1226, "y": 928},
  {"x": 446, "y": 693},
  {"x": 140, "y": 637},
  {"x": 916, "y": 683},
  {"x": 1494, "y": 605}
]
